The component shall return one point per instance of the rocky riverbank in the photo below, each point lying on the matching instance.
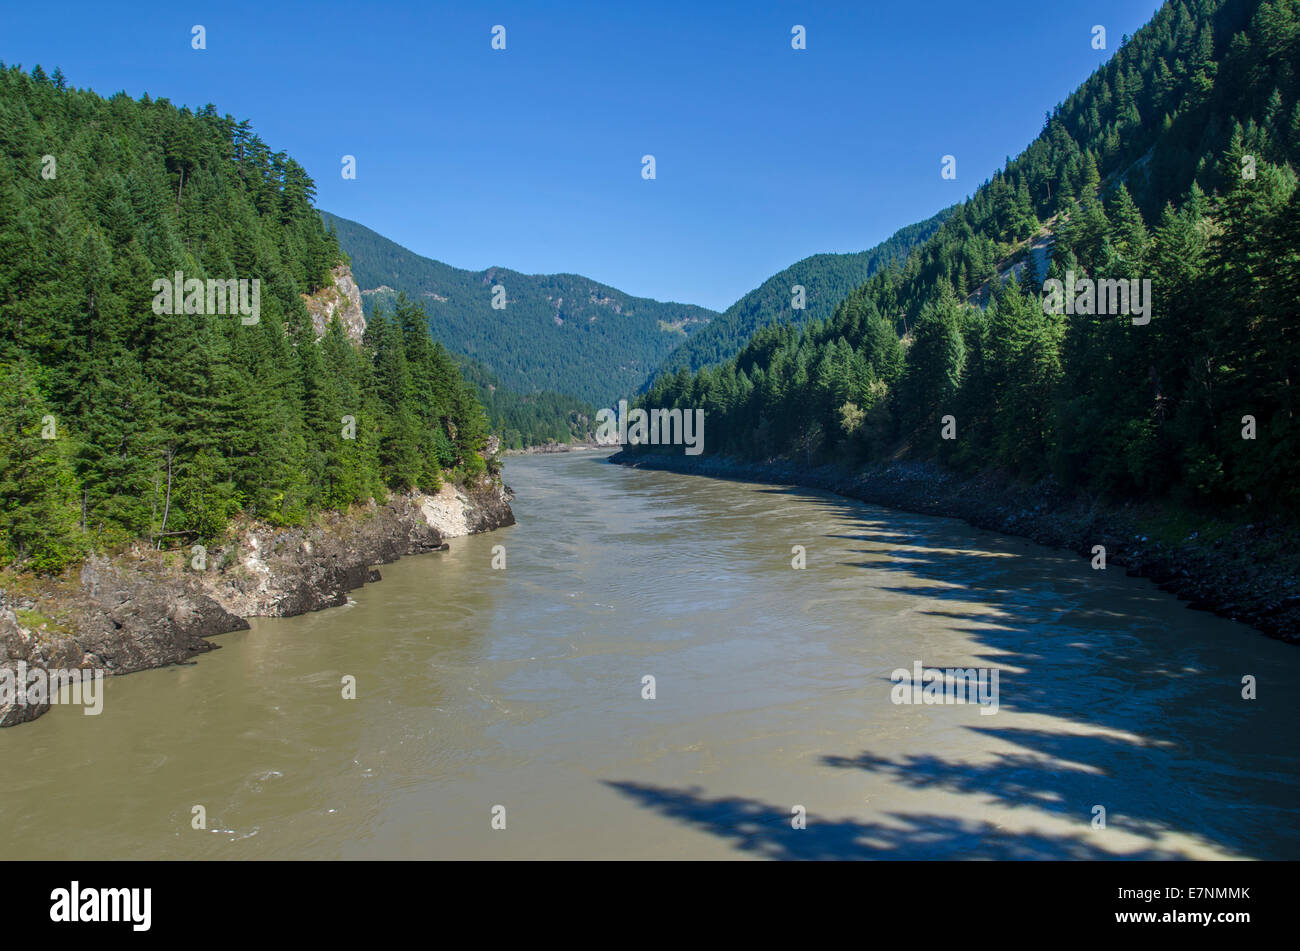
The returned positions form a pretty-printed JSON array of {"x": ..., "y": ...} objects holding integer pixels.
[
  {"x": 143, "y": 608},
  {"x": 550, "y": 447},
  {"x": 1247, "y": 572}
]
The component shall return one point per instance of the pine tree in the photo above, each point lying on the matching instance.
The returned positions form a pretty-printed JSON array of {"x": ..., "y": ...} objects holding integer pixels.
[
  {"x": 38, "y": 521},
  {"x": 934, "y": 367}
]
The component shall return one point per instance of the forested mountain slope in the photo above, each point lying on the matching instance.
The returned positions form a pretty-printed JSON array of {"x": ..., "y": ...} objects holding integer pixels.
[
  {"x": 127, "y": 414},
  {"x": 528, "y": 419},
  {"x": 826, "y": 279},
  {"x": 1175, "y": 163},
  {"x": 560, "y": 332}
]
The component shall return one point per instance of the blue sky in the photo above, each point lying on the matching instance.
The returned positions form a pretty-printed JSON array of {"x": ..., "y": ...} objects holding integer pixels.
[{"x": 530, "y": 157}]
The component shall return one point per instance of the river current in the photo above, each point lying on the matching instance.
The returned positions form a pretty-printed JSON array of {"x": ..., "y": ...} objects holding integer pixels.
[{"x": 517, "y": 696}]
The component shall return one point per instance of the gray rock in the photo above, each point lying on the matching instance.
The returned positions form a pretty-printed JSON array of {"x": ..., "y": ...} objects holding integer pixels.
[{"x": 144, "y": 609}]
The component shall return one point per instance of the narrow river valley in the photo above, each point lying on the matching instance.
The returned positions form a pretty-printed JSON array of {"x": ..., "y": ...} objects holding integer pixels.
[{"x": 522, "y": 687}]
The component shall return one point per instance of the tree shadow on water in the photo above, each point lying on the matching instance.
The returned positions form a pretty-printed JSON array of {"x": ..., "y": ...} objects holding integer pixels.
[
  {"x": 1136, "y": 699},
  {"x": 1116, "y": 694},
  {"x": 765, "y": 830}
]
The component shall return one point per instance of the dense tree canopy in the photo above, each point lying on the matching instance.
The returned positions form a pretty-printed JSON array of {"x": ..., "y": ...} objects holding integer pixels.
[
  {"x": 562, "y": 333},
  {"x": 119, "y": 422},
  {"x": 1174, "y": 163},
  {"x": 826, "y": 279},
  {"x": 528, "y": 419}
]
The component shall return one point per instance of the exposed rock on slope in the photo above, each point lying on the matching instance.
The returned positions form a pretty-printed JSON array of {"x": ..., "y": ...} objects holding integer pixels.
[
  {"x": 455, "y": 511},
  {"x": 343, "y": 297},
  {"x": 145, "y": 609}
]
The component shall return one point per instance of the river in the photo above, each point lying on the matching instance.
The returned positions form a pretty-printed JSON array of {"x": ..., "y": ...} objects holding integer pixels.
[{"x": 522, "y": 688}]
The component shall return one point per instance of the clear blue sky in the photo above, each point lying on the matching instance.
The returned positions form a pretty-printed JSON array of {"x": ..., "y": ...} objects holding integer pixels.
[{"x": 530, "y": 158}]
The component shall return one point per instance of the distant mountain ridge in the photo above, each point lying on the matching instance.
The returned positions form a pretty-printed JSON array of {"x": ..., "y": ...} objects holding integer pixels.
[
  {"x": 569, "y": 334},
  {"x": 557, "y": 332},
  {"x": 827, "y": 279},
  {"x": 1170, "y": 171}
]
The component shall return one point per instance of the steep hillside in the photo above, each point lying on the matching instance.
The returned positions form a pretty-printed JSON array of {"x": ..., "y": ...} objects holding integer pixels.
[
  {"x": 826, "y": 279},
  {"x": 1172, "y": 169},
  {"x": 160, "y": 374},
  {"x": 528, "y": 419},
  {"x": 560, "y": 332}
]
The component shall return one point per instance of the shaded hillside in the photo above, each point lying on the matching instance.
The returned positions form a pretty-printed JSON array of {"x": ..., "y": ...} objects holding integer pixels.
[
  {"x": 560, "y": 332},
  {"x": 528, "y": 419},
  {"x": 1174, "y": 164},
  {"x": 826, "y": 278}
]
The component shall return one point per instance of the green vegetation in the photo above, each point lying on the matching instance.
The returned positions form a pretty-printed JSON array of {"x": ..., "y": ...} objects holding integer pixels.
[
  {"x": 1143, "y": 173},
  {"x": 532, "y": 419},
  {"x": 119, "y": 423},
  {"x": 558, "y": 332},
  {"x": 826, "y": 278}
]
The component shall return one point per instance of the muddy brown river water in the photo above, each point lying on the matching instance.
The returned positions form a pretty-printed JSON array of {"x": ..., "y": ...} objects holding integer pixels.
[{"x": 523, "y": 688}]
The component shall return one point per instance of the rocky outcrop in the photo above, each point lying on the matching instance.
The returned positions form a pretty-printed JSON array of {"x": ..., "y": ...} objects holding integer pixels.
[
  {"x": 144, "y": 608},
  {"x": 1251, "y": 574},
  {"x": 487, "y": 507},
  {"x": 550, "y": 447},
  {"x": 456, "y": 511},
  {"x": 343, "y": 298},
  {"x": 37, "y": 648}
]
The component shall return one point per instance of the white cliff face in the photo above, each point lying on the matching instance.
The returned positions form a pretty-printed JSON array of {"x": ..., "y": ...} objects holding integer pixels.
[
  {"x": 466, "y": 510},
  {"x": 446, "y": 511},
  {"x": 343, "y": 297}
]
